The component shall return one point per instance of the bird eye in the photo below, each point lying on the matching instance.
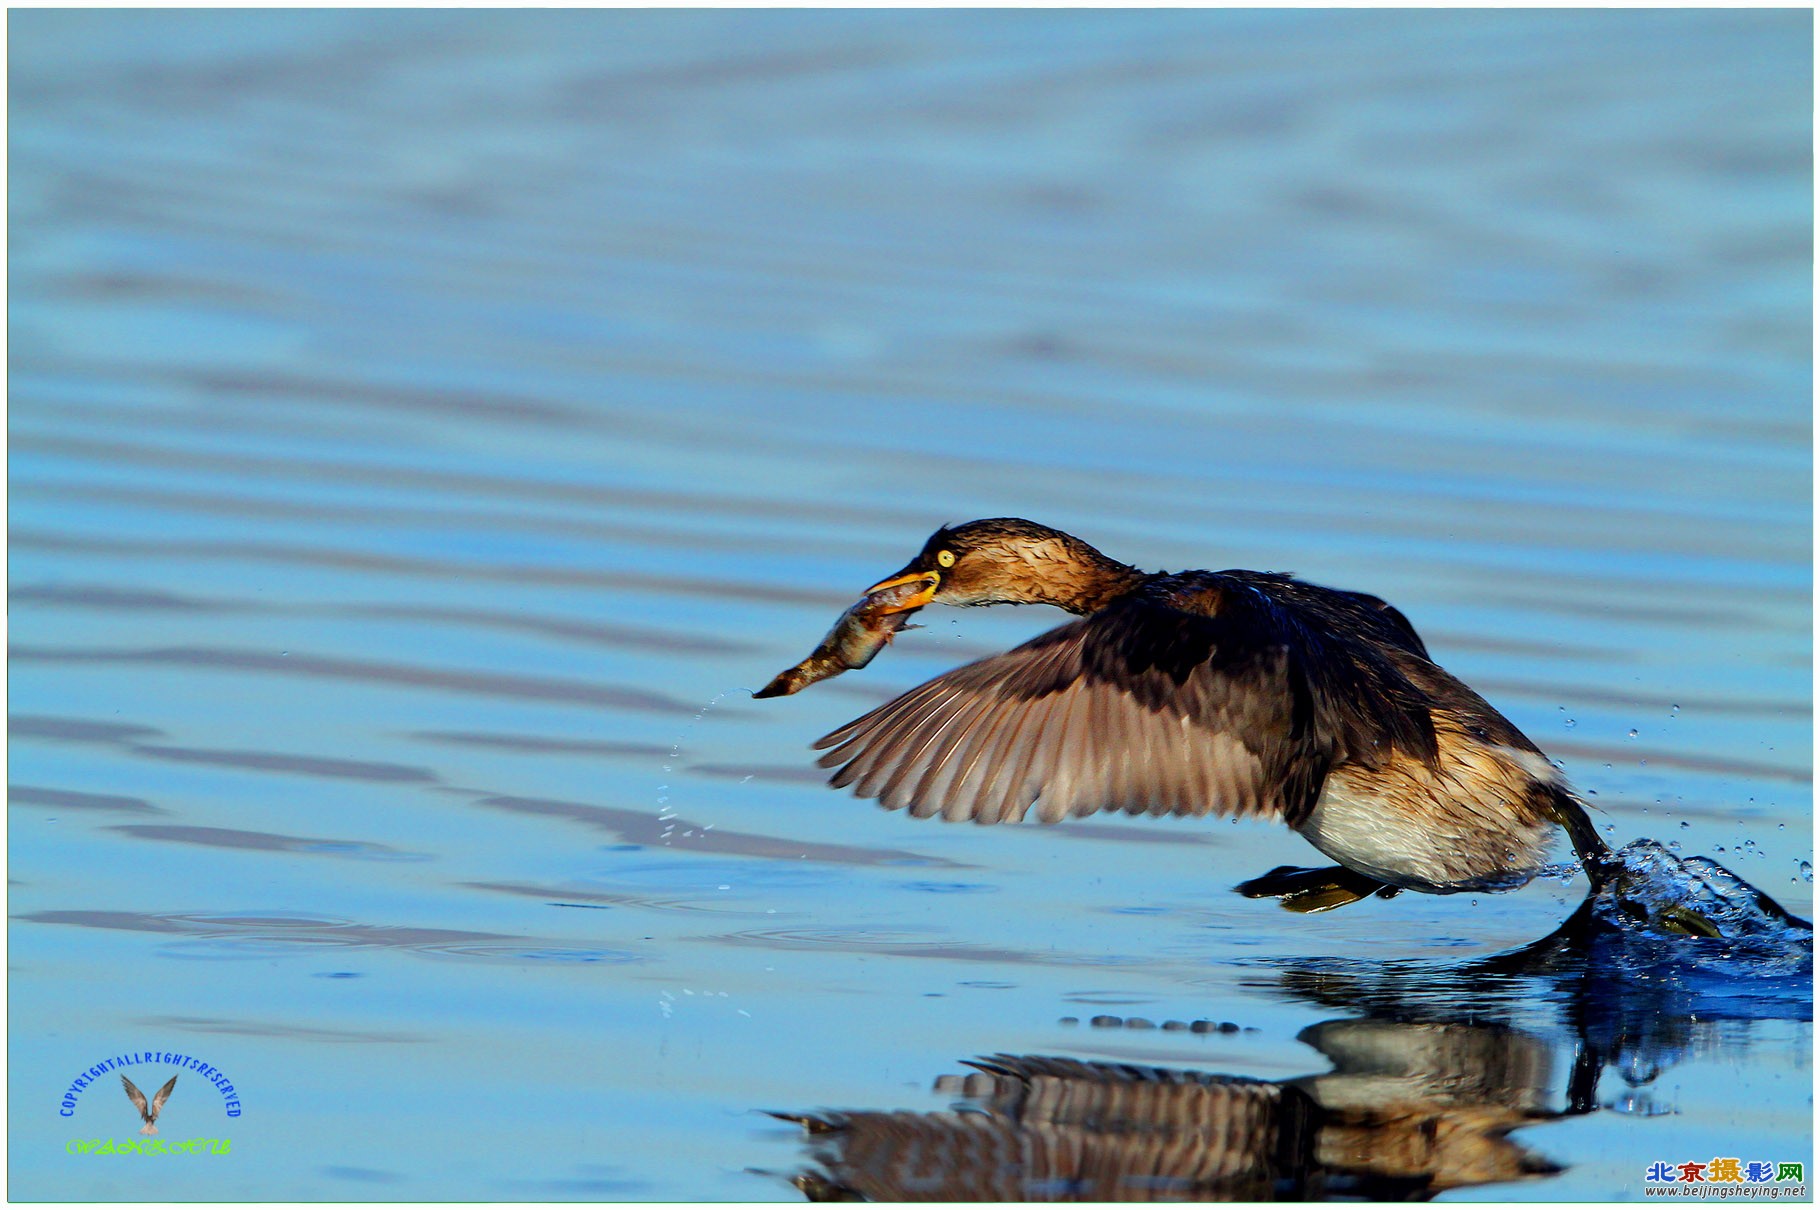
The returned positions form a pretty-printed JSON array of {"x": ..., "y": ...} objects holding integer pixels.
[{"x": 945, "y": 558}]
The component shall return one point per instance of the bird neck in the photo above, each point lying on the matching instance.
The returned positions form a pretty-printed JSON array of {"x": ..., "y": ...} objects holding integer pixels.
[{"x": 1089, "y": 582}]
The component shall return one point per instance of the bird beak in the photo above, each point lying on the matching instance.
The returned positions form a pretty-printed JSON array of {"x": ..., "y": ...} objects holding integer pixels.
[{"x": 912, "y": 590}]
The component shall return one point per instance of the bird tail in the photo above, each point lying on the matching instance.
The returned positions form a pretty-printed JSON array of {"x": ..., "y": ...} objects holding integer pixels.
[{"x": 148, "y": 1128}]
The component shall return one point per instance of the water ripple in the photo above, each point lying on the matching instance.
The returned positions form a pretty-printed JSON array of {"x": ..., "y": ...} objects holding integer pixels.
[
  {"x": 908, "y": 943},
  {"x": 77, "y": 800},
  {"x": 542, "y": 745},
  {"x": 639, "y": 827},
  {"x": 288, "y": 762},
  {"x": 224, "y": 1026},
  {"x": 267, "y": 842},
  {"x": 594, "y": 634},
  {"x": 246, "y": 936},
  {"x": 372, "y": 672},
  {"x": 574, "y": 897}
]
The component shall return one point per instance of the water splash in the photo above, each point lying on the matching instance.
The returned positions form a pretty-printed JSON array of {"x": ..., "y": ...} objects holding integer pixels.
[
  {"x": 1655, "y": 893},
  {"x": 666, "y": 813}
]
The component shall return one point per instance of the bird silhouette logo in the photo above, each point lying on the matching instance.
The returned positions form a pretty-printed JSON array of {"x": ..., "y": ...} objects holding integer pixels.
[{"x": 148, "y": 1113}]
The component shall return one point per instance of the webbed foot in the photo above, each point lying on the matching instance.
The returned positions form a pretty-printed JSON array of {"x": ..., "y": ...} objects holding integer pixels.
[{"x": 1303, "y": 890}]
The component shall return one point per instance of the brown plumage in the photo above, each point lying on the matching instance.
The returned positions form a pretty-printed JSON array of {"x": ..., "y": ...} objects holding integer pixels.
[{"x": 1235, "y": 693}]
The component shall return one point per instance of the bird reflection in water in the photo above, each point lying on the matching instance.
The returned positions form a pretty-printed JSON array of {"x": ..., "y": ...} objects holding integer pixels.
[
  {"x": 1423, "y": 1093},
  {"x": 1408, "y": 1111}
]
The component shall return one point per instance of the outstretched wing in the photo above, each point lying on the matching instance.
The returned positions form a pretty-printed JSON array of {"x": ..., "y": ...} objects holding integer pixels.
[
  {"x": 164, "y": 1094},
  {"x": 136, "y": 1097},
  {"x": 1143, "y": 708}
]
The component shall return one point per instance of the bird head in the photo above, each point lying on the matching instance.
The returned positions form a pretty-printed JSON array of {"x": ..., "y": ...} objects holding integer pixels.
[{"x": 1004, "y": 561}]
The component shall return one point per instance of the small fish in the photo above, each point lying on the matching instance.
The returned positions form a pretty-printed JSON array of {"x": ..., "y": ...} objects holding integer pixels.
[{"x": 860, "y": 633}]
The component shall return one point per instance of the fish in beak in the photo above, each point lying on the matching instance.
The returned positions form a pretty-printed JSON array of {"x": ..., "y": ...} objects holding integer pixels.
[
  {"x": 900, "y": 594},
  {"x": 860, "y": 633}
]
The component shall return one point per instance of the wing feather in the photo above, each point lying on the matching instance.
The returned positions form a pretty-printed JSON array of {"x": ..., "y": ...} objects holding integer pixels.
[
  {"x": 1062, "y": 769},
  {"x": 925, "y": 763},
  {"x": 984, "y": 784},
  {"x": 948, "y": 766},
  {"x": 962, "y": 768},
  {"x": 136, "y": 1097},
  {"x": 1149, "y": 790},
  {"x": 886, "y": 761},
  {"x": 1034, "y": 769},
  {"x": 1022, "y": 767},
  {"x": 978, "y": 785}
]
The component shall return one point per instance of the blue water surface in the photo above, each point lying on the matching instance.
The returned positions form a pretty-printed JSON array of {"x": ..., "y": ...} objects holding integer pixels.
[{"x": 428, "y": 427}]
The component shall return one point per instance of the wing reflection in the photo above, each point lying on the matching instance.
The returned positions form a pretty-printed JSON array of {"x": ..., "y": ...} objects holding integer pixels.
[{"x": 1053, "y": 1129}]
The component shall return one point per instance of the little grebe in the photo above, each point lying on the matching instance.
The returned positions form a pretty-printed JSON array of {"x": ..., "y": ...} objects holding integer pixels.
[{"x": 1237, "y": 693}]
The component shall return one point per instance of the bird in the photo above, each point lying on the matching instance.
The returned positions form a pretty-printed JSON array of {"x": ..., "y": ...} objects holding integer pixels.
[
  {"x": 1237, "y": 693},
  {"x": 149, "y": 1113}
]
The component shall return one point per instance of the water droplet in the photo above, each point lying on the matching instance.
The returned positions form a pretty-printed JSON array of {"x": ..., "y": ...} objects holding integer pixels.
[
  {"x": 1807, "y": 871},
  {"x": 1570, "y": 724},
  {"x": 1673, "y": 710},
  {"x": 1632, "y": 733},
  {"x": 1685, "y": 824},
  {"x": 1674, "y": 846}
]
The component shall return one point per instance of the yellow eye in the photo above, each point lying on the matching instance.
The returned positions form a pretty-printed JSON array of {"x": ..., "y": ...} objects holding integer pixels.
[{"x": 945, "y": 558}]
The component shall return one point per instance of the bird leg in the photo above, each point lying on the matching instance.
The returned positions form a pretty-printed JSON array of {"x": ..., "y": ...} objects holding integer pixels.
[
  {"x": 1322, "y": 890},
  {"x": 1596, "y": 857}
]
